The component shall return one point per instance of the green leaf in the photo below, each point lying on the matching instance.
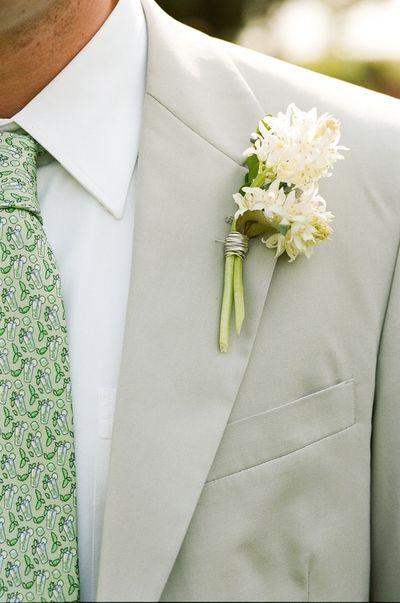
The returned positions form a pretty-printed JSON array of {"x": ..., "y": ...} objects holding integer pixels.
[
  {"x": 48, "y": 269},
  {"x": 72, "y": 585},
  {"x": 55, "y": 541},
  {"x": 25, "y": 309},
  {"x": 3, "y": 587},
  {"x": 28, "y": 564},
  {"x": 54, "y": 562},
  {"x": 17, "y": 354},
  {"x": 252, "y": 164},
  {"x": 23, "y": 458},
  {"x": 42, "y": 331},
  {"x": 59, "y": 373},
  {"x": 253, "y": 223},
  {"x": 23, "y": 478},
  {"x": 39, "y": 500},
  {"x": 24, "y": 290},
  {"x": 16, "y": 373},
  {"x": 8, "y": 416},
  {"x": 66, "y": 479},
  {"x": 50, "y": 437},
  {"x": 33, "y": 394}
]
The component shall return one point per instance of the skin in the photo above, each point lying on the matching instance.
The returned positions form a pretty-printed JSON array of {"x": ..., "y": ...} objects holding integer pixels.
[{"x": 38, "y": 38}]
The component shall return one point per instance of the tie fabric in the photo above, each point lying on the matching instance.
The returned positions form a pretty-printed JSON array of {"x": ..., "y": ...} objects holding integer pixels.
[{"x": 38, "y": 536}]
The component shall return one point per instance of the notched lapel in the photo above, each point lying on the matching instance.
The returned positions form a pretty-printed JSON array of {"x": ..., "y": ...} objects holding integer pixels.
[{"x": 176, "y": 389}]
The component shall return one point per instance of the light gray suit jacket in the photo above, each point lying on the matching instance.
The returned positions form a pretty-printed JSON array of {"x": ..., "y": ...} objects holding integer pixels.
[{"x": 252, "y": 476}]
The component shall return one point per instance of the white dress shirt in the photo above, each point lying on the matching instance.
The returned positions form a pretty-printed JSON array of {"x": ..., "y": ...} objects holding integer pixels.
[{"x": 88, "y": 118}]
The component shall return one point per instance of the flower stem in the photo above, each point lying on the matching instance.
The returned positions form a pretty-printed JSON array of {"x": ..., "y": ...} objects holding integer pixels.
[
  {"x": 238, "y": 293},
  {"x": 226, "y": 308}
]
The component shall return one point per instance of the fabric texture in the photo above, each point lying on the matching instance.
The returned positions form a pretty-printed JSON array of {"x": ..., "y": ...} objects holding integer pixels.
[
  {"x": 38, "y": 534},
  {"x": 247, "y": 476}
]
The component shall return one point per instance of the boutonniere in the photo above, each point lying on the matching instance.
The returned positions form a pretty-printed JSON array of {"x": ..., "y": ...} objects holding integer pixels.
[{"x": 279, "y": 200}]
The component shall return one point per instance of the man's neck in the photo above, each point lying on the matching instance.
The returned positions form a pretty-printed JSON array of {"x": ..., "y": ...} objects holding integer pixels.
[{"x": 33, "y": 53}]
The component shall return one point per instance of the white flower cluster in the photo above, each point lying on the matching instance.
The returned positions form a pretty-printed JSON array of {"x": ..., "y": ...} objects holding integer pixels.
[
  {"x": 298, "y": 219},
  {"x": 298, "y": 147},
  {"x": 294, "y": 150}
]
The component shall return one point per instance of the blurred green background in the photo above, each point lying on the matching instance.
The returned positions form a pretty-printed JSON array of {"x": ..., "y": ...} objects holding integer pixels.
[{"x": 354, "y": 40}]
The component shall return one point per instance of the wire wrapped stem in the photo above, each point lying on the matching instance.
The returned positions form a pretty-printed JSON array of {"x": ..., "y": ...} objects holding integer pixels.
[
  {"x": 236, "y": 244},
  {"x": 235, "y": 247}
]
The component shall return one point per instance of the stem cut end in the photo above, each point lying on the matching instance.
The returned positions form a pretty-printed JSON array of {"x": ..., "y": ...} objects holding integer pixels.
[
  {"x": 223, "y": 347},
  {"x": 239, "y": 324}
]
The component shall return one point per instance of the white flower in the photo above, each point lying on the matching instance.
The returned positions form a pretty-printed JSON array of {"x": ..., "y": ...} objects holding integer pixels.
[
  {"x": 298, "y": 146},
  {"x": 301, "y": 221},
  {"x": 255, "y": 198},
  {"x": 247, "y": 202}
]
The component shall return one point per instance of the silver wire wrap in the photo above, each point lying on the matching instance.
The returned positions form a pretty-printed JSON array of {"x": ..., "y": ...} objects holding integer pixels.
[{"x": 236, "y": 244}]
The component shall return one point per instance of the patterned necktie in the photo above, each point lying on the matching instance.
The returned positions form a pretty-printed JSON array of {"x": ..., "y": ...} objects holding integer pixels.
[{"x": 38, "y": 542}]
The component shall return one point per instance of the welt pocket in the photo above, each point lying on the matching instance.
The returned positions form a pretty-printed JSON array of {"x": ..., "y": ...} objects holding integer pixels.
[{"x": 280, "y": 431}]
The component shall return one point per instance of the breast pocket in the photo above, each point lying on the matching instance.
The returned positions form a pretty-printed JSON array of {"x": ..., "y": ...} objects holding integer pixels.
[{"x": 283, "y": 430}]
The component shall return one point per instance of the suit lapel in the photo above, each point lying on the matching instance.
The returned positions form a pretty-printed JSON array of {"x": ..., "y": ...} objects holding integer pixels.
[{"x": 176, "y": 390}]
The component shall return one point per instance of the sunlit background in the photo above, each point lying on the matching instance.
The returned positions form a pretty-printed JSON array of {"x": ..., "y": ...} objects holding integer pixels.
[{"x": 355, "y": 40}]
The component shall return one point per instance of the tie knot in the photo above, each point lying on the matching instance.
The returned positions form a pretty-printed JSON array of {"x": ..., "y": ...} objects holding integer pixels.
[{"x": 18, "y": 172}]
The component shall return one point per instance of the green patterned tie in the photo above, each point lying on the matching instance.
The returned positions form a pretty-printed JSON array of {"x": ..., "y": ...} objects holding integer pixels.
[{"x": 38, "y": 541}]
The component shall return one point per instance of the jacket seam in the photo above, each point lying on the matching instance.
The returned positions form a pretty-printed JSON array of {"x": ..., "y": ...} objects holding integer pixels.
[
  {"x": 324, "y": 390},
  {"x": 330, "y": 435}
]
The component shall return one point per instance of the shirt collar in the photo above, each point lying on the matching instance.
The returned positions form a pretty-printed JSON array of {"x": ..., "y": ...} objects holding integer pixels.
[{"x": 88, "y": 118}]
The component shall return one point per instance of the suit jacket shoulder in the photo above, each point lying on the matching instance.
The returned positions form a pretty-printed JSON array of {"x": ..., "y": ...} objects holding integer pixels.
[{"x": 369, "y": 117}]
